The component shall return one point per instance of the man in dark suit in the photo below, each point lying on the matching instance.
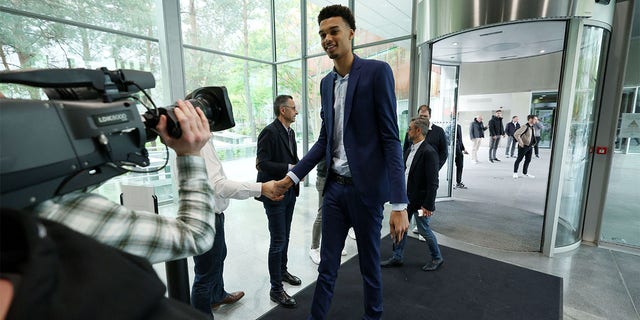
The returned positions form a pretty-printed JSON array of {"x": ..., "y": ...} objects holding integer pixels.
[
  {"x": 435, "y": 137},
  {"x": 421, "y": 173},
  {"x": 364, "y": 161},
  {"x": 277, "y": 154}
]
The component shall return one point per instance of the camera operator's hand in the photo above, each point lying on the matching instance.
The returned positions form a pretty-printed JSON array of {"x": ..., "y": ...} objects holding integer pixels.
[{"x": 195, "y": 130}]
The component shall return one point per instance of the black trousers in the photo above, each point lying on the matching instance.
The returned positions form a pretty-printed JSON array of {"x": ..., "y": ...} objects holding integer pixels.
[
  {"x": 526, "y": 154},
  {"x": 459, "y": 165}
]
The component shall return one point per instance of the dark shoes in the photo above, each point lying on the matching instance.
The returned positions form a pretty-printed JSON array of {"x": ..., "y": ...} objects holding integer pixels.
[
  {"x": 496, "y": 159},
  {"x": 491, "y": 160},
  {"x": 291, "y": 279},
  {"x": 460, "y": 186},
  {"x": 229, "y": 299},
  {"x": 433, "y": 265},
  {"x": 391, "y": 262},
  {"x": 282, "y": 298}
]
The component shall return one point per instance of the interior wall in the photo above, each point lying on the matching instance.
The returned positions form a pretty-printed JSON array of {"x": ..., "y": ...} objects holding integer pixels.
[
  {"x": 632, "y": 75},
  {"x": 518, "y": 75}
]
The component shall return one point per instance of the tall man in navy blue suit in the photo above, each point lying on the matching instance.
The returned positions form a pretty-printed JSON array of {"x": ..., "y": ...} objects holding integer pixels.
[
  {"x": 277, "y": 154},
  {"x": 360, "y": 142}
]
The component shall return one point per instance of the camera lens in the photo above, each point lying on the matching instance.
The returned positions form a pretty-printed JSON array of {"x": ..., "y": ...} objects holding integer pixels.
[{"x": 214, "y": 103}]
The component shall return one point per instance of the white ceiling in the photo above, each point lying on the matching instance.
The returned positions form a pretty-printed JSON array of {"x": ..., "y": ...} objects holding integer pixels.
[{"x": 503, "y": 42}]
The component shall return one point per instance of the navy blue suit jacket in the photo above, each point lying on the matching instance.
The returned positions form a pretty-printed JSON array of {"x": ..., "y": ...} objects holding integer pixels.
[
  {"x": 371, "y": 137},
  {"x": 422, "y": 184},
  {"x": 273, "y": 155}
]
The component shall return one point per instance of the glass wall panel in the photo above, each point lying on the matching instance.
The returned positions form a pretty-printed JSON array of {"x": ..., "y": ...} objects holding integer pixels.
[
  {"x": 317, "y": 68},
  {"x": 398, "y": 56},
  {"x": 313, "y": 8},
  {"x": 621, "y": 214},
  {"x": 289, "y": 77},
  {"x": 378, "y": 20},
  {"x": 249, "y": 85},
  {"x": 238, "y": 27},
  {"x": 577, "y": 160},
  {"x": 138, "y": 17},
  {"x": 35, "y": 43},
  {"x": 288, "y": 26},
  {"x": 444, "y": 92}
]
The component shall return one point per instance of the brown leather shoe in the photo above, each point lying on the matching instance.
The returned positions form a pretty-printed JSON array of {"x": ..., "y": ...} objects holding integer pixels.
[{"x": 229, "y": 299}]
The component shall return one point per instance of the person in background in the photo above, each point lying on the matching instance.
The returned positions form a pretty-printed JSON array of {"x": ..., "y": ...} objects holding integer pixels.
[
  {"x": 526, "y": 141},
  {"x": 510, "y": 129},
  {"x": 537, "y": 128},
  {"x": 496, "y": 130},
  {"x": 421, "y": 174},
  {"x": 476, "y": 133},
  {"x": 436, "y": 137},
  {"x": 314, "y": 252},
  {"x": 277, "y": 153},
  {"x": 459, "y": 160}
]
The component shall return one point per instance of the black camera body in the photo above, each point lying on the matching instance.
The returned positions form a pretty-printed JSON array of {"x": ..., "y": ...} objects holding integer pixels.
[{"x": 86, "y": 134}]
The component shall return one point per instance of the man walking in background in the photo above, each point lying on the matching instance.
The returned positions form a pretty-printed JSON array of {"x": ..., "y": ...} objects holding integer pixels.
[
  {"x": 526, "y": 140},
  {"x": 421, "y": 174},
  {"x": 435, "y": 137}
]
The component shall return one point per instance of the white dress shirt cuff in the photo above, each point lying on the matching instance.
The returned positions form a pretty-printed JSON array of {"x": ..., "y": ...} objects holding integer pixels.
[
  {"x": 398, "y": 206},
  {"x": 293, "y": 177}
]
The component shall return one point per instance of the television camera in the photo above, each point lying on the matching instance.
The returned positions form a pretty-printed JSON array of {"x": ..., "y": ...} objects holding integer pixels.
[{"x": 88, "y": 131}]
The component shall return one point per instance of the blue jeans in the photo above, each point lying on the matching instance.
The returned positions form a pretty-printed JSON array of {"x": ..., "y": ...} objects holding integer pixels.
[
  {"x": 279, "y": 215},
  {"x": 208, "y": 286},
  {"x": 425, "y": 231}
]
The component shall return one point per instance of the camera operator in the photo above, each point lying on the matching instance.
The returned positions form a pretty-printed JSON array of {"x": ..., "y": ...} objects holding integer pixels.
[{"x": 147, "y": 234}]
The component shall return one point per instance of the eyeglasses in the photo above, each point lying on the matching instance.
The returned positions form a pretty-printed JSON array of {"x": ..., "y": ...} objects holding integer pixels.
[{"x": 294, "y": 107}]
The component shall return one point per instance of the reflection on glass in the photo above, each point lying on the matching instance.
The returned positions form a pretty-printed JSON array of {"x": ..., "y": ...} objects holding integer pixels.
[
  {"x": 444, "y": 83},
  {"x": 313, "y": 39},
  {"x": 288, "y": 26},
  {"x": 378, "y": 20},
  {"x": 621, "y": 214},
  {"x": 289, "y": 77},
  {"x": 577, "y": 160},
  {"x": 238, "y": 27},
  {"x": 137, "y": 17}
]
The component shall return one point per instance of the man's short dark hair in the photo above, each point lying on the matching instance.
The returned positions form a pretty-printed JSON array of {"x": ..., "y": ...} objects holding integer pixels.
[
  {"x": 531, "y": 116},
  {"x": 337, "y": 11},
  {"x": 280, "y": 100},
  {"x": 513, "y": 117},
  {"x": 423, "y": 107}
]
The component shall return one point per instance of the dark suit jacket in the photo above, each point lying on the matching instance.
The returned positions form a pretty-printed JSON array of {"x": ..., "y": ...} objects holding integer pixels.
[
  {"x": 436, "y": 138},
  {"x": 273, "y": 154},
  {"x": 371, "y": 137},
  {"x": 422, "y": 184}
]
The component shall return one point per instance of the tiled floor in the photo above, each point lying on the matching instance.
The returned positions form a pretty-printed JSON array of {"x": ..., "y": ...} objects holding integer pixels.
[{"x": 598, "y": 283}]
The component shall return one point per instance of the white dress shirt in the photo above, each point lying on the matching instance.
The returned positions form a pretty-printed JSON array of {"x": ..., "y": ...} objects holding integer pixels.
[
  {"x": 412, "y": 154},
  {"x": 223, "y": 189},
  {"x": 340, "y": 164}
]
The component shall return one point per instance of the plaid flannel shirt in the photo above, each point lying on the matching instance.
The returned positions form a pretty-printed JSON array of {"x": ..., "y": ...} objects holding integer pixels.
[{"x": 145, "y": 234}]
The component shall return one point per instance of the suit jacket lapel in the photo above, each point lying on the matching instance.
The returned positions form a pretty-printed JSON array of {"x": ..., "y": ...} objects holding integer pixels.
[
  {"x": 284, "y": 136},
  {"x": 417, "y": 157},
  {"x": 354, "y": 75}
]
